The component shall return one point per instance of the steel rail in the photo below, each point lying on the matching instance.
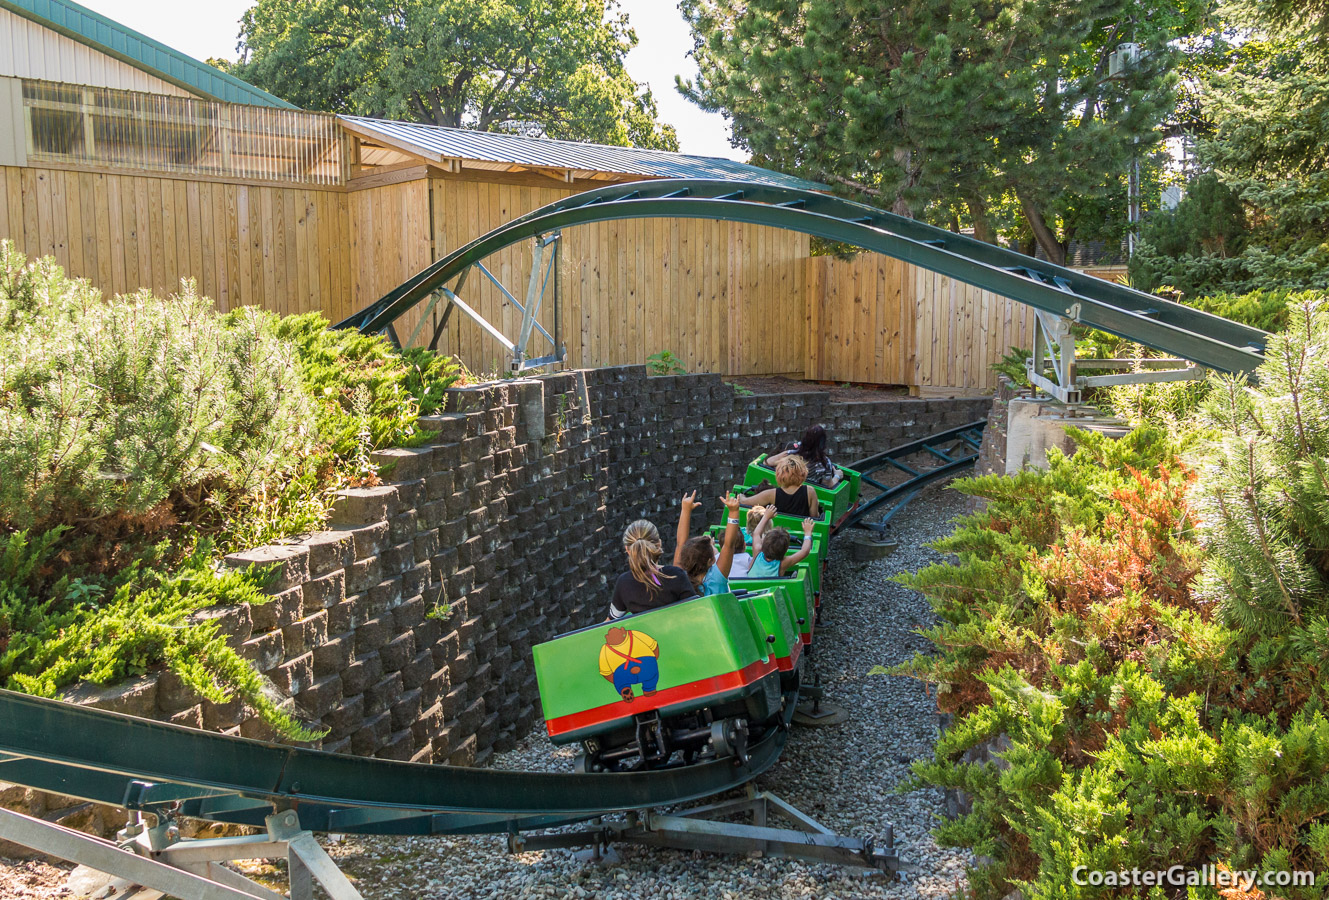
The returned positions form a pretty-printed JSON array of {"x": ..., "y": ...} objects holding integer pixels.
[
  {"x": 1169, "y": 327},
  {"x": 902, "y": 493},
  {"x": 121, "y": 760}
]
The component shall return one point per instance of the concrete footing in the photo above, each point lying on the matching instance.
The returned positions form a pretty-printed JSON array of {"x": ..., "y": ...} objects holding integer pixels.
[{"x": 1035, "y": 426}]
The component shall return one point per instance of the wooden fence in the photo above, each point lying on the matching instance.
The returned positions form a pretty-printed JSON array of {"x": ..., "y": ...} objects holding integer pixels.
[
  {"x": 878, "y": 320},
  {"x": 722, "y": 297},
  {"x": 627, "y": 289},
  {"x": 286, "y": 249}
]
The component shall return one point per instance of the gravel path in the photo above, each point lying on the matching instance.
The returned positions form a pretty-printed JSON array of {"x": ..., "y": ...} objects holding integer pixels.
[{"x": 845, "y": 776}]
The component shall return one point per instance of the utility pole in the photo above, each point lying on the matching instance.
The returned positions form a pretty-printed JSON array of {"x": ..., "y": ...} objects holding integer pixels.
[{"x": 1125, "y": 57}]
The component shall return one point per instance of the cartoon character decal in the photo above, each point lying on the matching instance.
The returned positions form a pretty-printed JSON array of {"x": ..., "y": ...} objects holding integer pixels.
[{"x": 630, "y": 657}]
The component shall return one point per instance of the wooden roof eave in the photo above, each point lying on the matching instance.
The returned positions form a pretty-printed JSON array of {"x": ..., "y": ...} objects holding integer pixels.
[{"x": 455, "y": 165}]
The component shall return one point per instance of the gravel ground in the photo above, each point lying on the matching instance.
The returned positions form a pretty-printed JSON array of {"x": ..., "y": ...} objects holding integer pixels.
[
  {"x": 845, "y": 776},
  {"x": 31, "y": 879}
]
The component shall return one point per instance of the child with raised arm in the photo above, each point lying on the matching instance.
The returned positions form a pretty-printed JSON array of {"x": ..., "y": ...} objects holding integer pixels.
[
  {"x": 708, "y": 572},
  {"x": 769, "y": 546}
]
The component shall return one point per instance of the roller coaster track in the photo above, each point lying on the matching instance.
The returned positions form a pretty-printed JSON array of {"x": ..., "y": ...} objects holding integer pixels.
[
  {"x": 151, "y": 766},
  {"x": 1190, "y": 334},
  {"x": 167, "y": 771}
]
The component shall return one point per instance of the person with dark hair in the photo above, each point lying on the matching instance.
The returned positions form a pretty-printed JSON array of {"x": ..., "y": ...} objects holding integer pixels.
[
  {"x": 813, "y": 451},
  {"x": 770, "y": 546},
  {"x": 647, "y": 584},
  {"x": 707, "y": 569}
]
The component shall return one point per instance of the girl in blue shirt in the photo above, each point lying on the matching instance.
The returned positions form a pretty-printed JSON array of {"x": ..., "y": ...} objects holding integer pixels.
[{"x": 696, "y": 556}]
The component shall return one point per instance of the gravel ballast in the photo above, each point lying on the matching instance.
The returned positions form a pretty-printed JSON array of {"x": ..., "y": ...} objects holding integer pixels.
[{"x": 845, "y": 776}]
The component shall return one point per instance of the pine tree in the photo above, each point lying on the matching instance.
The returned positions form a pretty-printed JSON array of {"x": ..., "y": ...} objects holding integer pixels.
[
  {"x": 1258, "y": 218},
  {"x": 109, "y": 408},
  {"x": 959, "y": 104},
  {"x": 1263, "y": 494}
]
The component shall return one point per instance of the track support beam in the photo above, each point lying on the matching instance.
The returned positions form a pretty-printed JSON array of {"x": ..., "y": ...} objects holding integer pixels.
[
  {"x": 802, "y": 838},
  {"x": 159, "y": 863},
  {"x": 1054, "y": 369}
]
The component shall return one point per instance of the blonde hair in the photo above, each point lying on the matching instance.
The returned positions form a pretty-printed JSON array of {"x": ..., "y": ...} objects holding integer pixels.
[
  {"x": 642, "y": 543},
  {"x": 791, "y": 471},
  {"x": 754, "y": 517}
]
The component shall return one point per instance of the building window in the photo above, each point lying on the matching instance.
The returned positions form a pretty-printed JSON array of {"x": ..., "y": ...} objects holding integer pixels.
[{"x": 104, "y": 127}]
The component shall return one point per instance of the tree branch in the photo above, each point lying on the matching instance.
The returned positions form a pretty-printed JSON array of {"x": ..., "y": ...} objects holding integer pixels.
[{"x": 1046, "y": 238}]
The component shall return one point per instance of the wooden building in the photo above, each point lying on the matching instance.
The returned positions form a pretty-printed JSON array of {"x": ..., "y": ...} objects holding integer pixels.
[{"x": 136, "y": 166}]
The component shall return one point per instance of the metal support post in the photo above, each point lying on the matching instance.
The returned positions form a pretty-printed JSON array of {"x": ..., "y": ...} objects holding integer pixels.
[
  {"x": 697, "y": 829},
  {"x": 158, "y": 860},
  {"x": 538, "y": 282},
  {"x": 1054, "y": 345},
  {"x": 1054, "y": 349}
]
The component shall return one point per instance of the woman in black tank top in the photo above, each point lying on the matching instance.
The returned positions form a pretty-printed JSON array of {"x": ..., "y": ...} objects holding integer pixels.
[
  {"x": 793, "y": 504},
  {"x": 793, "y": 497}
]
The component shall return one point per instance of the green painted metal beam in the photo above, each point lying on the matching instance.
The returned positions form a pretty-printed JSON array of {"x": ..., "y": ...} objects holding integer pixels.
[
  {"x": 1203, "y": 338},
  {"x": 125, "y": 761}
]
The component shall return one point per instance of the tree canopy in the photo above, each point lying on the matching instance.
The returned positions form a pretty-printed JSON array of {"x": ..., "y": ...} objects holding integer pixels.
[
  {"x": 485, "y": 64},
  {"x": 954, "y": 105},
  {"x": 1264, "y": 146}
]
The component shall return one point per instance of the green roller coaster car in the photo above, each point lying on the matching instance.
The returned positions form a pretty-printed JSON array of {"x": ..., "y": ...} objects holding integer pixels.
[
  {"x": 797, "y": 588},
  {"x": 667, "y": 687},
  {"x": 840, "y": 499}
]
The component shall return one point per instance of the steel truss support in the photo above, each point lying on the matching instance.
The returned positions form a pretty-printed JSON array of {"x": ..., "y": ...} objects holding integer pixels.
[
  {"x": 1054, "y": 369},
  {"x": 543, "y": 276},
  {"x": 154, "y": 862},
  {"x": 698, "y": 828},
  {"x": 1169, "y": 327}
]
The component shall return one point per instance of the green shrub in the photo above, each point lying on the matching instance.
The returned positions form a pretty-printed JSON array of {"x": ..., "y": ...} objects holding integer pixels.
[
  {"x": 1012, "y": 365},
  {"x": 664, "y": 363},
  {"x": 135, "y": 432},
  {"x": 55, "y": 630},
  {"x": 1266, "y": 310},
  {"x": 334, "y": 365},
  {"x": 112, "y": 408},
  {"x": 1143, "y": 630},
  {"x": 137, "y": 413}
]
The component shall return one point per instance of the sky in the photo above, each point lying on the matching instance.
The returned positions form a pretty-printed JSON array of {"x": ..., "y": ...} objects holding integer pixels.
[{"x": 209, "y": 30}]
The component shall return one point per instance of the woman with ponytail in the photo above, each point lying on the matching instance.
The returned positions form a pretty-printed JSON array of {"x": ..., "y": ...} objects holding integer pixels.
[{"x": 647, "y": 584}]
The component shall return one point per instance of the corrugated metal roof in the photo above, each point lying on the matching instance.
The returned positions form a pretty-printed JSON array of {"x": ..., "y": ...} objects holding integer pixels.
[
  {"x": 141, "y": 51},
  {"x": 463, "y": 143}
]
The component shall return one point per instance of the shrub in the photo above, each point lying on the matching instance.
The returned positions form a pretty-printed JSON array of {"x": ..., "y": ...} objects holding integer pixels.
[
  {"x": 664, "y": 363},
  {"x": 131, "y": 416},
  {"x": 1266, "y": 310},
  {"x": 335, "y": 364},
  {"x": 109, "y": 409},
  {"x": 55, "y": 630},
  {"x": 1143, "y": 631},
  {"x": 136, "y": 431}
]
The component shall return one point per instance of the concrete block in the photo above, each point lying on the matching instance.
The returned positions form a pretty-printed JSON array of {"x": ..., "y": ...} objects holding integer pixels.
[
  {"x": 364, "y": 506},
  {"x": 291, "y": 562},
  {"x": 134, "y": 697},
  {"x": 329, "y": 551}
]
